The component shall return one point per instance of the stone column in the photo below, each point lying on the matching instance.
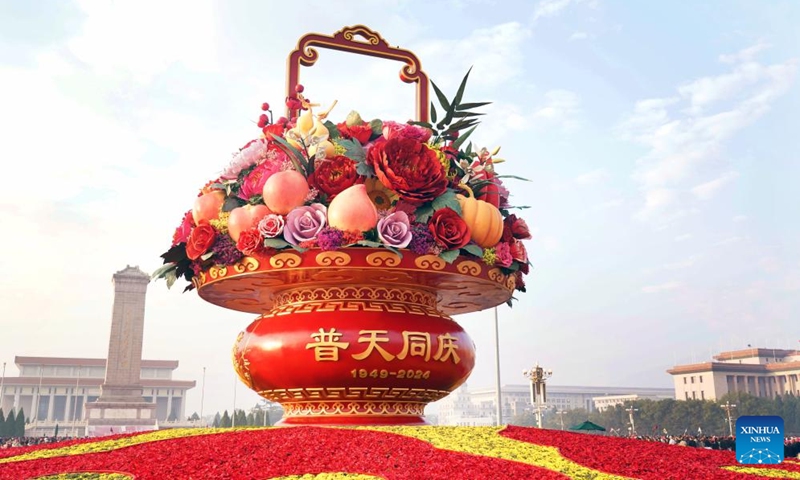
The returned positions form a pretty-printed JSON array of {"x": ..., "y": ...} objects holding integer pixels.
[
  {"x": 169, "y": 404},
  {"x": 51, "y": 402}
]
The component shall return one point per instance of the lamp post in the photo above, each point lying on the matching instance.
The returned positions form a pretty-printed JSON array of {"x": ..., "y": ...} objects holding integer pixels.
[
  {"x": 2, "y": 385},
  {"x": 630, "y": 411},
  {"x": 233, "y": 417},
  {"x": 499, "y": 398},
  {"x": 728, "y": 407},
  {"x": 75, "y": 401},
  {"x": 202, "y": 394},
  {"x": 538, "y": 376},
  {"x": 560, "y": 414}
]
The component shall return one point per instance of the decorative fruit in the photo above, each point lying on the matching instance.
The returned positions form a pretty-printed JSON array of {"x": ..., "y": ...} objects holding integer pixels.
[
  {"x": 245, "y": 218},
  {"x": 352, "y": 210},
  {"x": 484, "y": 220},
  {"x": 206, "y": 207},
  {"x": 285, "y": 191}
]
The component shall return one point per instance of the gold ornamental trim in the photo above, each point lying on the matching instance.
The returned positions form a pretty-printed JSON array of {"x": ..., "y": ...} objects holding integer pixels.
[
  {"x": 468, "y": 267},
  {"x": 383, "y": 259},
  {"x": 348, "y": 394},
  {"x": 329, "y": 259},
  {"x": 285, "y": 260},
  {"x": 246, "y": 264},
  {"x": 430, "y": 262},
  {"x": 387, "y": 409}
]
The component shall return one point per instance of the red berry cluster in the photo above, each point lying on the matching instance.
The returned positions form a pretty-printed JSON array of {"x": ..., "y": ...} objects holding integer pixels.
[
  {"x": 297, "y": 101},
  {"x": 265, "y": 119}
]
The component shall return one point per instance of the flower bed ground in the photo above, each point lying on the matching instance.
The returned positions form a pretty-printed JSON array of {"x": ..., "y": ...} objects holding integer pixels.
[{"x": 302, "y": 453}]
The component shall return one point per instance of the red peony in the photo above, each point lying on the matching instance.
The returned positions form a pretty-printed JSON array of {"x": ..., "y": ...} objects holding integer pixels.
[
  {"x": 200, "y": 240},
  {"x": 333, "y": 175},
  {"x": 250, "y": 242},
  {"x": 358, "y": 132},
  {"x": 181, "y": 234},
  {"x": 274, "y": 129},
  {"x": 518, "y": 253},
  {"x": 519, "y": 229},
  {"x": 409, "y": 168},
  {"x": 449, "y": 229}
]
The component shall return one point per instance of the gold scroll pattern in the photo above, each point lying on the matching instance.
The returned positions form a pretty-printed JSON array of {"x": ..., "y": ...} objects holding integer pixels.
[
  {"x": 383, "y": 259},
  {"x": 468, "y": 267},
  {"x": 346, "y": 394},
  {"x": 285, "y": 260},
  {"x": 415, "y": 297},
  {"x": 430, "y": 262},
  {"x": 333, "y": 258},
  {"x": 354, "y": 408}
]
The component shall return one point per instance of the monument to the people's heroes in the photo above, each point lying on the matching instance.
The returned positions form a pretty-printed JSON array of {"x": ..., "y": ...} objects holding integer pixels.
[{"x": 121, "y": 406}]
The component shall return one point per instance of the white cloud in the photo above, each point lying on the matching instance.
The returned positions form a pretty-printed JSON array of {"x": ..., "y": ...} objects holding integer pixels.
[
  {"x": 560, "y": 109},
  {"x": 707, "y": 190},
  {"x": 656, "y": 200},
  {"x": 683, "y": 264},
  {"x": 663, "y": 287},
  {"x": 740, "y": 218},
  {"x": 745, "y": 55},
  {"x": 728, "y": 241},
  {"x": 578, "y": 36},
  {"x": 684, "y": 131},
  {"x": 549, "y": 8},
  {"x": 593, "y": 177},
  {"x": 126, "y": 37},
  {"x": 683, "y": 237},
  {"x": 614, "y": 203}
]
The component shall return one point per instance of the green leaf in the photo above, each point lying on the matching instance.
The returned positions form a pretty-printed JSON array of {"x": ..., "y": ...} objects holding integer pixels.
[
  {"x": 396, "y": 251},
  {"x": 298, "y": 248},
  {"x": 256, "y": 200},
  {"x": 460, "y": 140},
  {"x": 467, "y": 114},
  {"x": 449, "y": 256},
  {"x": 447, "y": 199},
  {"x": 473, "y": 249},
  {"x": 423, "y": 213},
  {"x": 171, "y": 278},
  {"x": 295, "y": 155},
  {"x": 461, "y": 88},
  {"x": 467, "y": 106},
  {"x": 421, "y": 124},
  {"x": 433, "y": 113},
  {"x": 512, "y": 176},
  {"x": 377, "y": 127},
  {"x": 276, "y": 243},
  {"x": 175, "y": 254},
  {"x": 333, "y": 130},
  {"x": 461, "y": 125},
  {"x": 369, "y": 243},
  {"x": 231, "y": 203},
  {"x": 353, "y": 150},
  {"x": 442, "y": 98},
  {"x": 163, "y": 270},
  {"x": 364, "y": 169}
]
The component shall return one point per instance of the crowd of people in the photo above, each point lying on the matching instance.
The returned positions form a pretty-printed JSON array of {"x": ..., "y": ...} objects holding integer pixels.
[{"x": 10, "y": 442}]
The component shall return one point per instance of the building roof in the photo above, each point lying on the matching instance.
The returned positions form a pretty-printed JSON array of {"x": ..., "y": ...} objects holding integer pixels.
[
  {"x": 752, "y": 368},
  {"x": 755, "y": 352},
  {"x": 88, "y": 362},
  {"x": 94, "y": 382}
]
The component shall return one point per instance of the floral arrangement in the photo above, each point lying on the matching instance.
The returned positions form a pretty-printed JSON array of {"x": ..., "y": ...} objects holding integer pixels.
[
  {"x": 310, "y": 183},
  {"x": 375, "y": 452}
]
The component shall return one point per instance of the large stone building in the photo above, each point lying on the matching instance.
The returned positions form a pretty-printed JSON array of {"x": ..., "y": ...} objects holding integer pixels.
[
  {"x": 53, "y": 391},
  {"x": 478, "y": 407},
  {"x": 763, "y": 372}
]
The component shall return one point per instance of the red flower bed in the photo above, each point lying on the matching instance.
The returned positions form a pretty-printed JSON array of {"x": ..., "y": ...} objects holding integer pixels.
[{"x": 637, "y": 458}]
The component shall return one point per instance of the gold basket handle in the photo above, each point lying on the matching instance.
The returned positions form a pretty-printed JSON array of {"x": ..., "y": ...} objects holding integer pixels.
[{"x": 345, "y": 41}]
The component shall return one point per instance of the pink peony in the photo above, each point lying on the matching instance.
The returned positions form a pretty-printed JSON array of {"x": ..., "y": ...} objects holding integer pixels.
[
  {"x": 404, "y": 130},
  {"x": 248, "y": 156},
  {"x": 503, "y": 252}
]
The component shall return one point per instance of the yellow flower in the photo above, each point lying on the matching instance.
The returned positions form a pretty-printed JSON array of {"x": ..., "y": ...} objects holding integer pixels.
[
  {"x": 382, "y": 197},
  {"x": 221, "y": 224}
]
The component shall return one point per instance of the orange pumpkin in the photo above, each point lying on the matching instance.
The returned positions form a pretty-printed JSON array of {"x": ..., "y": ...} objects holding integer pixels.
[{"x": 484, "y": 220}]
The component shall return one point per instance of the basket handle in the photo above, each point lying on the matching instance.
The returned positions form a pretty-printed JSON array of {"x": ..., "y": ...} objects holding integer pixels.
[{"x": 374, "y": 45}]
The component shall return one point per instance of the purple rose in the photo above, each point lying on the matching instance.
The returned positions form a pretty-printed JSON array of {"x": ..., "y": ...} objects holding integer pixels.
[
  {"x": 394, "y": 230},
  {"x": 303, "y": 224}
]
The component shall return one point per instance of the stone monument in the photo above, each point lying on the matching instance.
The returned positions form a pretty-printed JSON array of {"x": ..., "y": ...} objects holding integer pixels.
[{"x": 121, "y": 407}]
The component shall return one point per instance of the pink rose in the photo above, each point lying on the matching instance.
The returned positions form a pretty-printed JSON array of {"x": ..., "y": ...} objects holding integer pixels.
[
  {"x": 303, "y": 224},
  {"x": 503, "y": 252},
  {"x": 394, "y": 230},
  {"x": 271, "y": 226}
]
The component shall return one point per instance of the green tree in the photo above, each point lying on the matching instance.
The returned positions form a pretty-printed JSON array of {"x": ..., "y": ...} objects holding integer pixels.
[
  {"x": 251, "y": 419},
  {"x": 217, "y": 421},
  {"x": 195, "y": 417},
  {"x": 20, "y": 424},
  {"x": 10, "y": 425},
  {"x": 2, "y": 424},
  {"x": 225, "y": 421},
  {"x": 241, "y": 418}
]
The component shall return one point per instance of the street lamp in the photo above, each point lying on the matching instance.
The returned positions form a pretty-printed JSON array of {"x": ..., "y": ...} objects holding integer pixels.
[
  {"x": 630, "y": 411},
  {"x": 202, "y": 396},
  {"x": 728, "y": 407},
  {"x": 538, "y": 376},
  {"x": 560, "y": 414}
]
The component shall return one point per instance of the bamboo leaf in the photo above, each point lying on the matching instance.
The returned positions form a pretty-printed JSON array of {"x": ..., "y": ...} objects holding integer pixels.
[
  {"x": 468, "y": 106},
  {"x": 512, "y": 176},
  {"x": 460, "y": 140},
  {"x": 461, "y": 88},
  {"x": 295, "y": 155},
  {"x": 421, "y": 124},
  {"x": 433, "y": 113},
  {"x": 442, "y": 98}
]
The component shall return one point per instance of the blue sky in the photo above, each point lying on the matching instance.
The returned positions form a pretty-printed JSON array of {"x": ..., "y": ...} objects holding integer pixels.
[{"x": 659, "y": 138}]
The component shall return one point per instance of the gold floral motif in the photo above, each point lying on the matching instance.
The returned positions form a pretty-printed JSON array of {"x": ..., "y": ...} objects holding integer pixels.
[
  {"x": 430, "y": 262},
  {"x": 511, "y": 282},
  {"x": 338, "y": 259},
  {"x": 342, "y": 394},
  {"x": 312, "y": 409},
  {"x": 496, "y": 275},
  {"x": 411, "y": 299},
  {"x": 246, "y": 264},
  {"x": 285, "y": 260},
  {"x": 468, "y": 267},
  {"x": 383, "y": 259}
]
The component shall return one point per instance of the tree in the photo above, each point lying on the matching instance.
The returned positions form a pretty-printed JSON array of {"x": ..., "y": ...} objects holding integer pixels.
[
  {"x": 2, "y": 424},
  {"x": 225, "y": 421},
  {"x": 10, "y": 425},
  {"x": 195, "y": 417},
  {"x": 217, "y": 421},
  {"x": 251, "y": 419},
  {"x": 241, "y": 418},
  {"x": 20, "y": 424}
]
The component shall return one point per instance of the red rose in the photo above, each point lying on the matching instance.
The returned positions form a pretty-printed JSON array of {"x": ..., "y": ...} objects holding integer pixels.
[
  {"x": 448, "y": 229},
  {"x": 519, "y": 228},
  {"x": 409, "y": 168},
  {"x": 200, "y": 240},
  {"x": 332, "y": 175},
  {"x": 519, "y": 254},
  {"x": 181, "y": 234},
  {"x": 250, "y": 242},
  {"x": 358, "y": 132}
]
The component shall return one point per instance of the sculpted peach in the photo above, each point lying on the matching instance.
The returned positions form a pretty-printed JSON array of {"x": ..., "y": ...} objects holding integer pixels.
[
  {"x": 352, "y": 210},
  {"x": 285, "y": 191}
]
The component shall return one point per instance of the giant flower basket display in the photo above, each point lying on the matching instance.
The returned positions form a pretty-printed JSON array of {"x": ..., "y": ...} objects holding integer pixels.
[{"x": 354, "y": 242}]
